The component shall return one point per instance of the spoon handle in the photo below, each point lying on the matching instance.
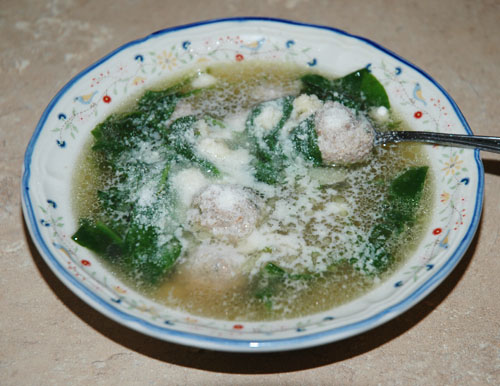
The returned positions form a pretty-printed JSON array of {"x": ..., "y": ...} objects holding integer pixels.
[{"x": 469, "y": 141}]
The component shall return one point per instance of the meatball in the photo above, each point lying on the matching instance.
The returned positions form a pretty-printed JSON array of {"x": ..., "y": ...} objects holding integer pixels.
[
  {"x": 225, "y": 211},
  {"x": 214, "y": 267},
  {"x": 342, "y": 138}
]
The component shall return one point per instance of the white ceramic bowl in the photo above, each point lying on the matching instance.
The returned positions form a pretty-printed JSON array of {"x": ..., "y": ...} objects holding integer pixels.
[{"x": 89, "y": 97}]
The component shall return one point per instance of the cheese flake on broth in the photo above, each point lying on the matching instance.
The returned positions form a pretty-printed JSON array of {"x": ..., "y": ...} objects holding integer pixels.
[{"x": 212, "y": 198}]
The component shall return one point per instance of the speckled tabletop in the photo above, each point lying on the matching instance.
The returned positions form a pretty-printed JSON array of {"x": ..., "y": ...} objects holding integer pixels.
[{"x": 49, "y": 336}]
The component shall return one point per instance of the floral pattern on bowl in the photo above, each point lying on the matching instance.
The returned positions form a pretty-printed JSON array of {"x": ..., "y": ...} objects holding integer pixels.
[{"x": 87, "y": 99}]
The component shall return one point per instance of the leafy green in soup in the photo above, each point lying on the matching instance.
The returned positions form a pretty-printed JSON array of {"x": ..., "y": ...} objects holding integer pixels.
[{"x": 257, "y": 196}]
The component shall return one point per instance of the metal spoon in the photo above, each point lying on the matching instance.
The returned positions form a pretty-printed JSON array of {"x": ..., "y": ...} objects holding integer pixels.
[{"x": 468, "y": 141}]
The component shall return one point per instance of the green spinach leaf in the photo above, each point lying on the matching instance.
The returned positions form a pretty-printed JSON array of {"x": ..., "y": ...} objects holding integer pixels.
[
  {"x": 359, "y": 90},
  {"x": 98, "y": 237},
  {"x": 405, "y": 193},
  {"x": 270, "y": 159},
  {"x": 144, "y": 259},
  {"x": 305, "y": 140},
  {"x": 181, "y": 137},
  {"x": 271, "y": 280}
]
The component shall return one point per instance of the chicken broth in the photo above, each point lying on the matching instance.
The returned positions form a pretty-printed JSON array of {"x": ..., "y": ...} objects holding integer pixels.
[{"x": 220, "y": 193}]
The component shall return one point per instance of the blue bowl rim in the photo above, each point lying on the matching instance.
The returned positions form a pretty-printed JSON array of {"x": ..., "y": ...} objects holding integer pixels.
[{"x": 240, "y": 345}]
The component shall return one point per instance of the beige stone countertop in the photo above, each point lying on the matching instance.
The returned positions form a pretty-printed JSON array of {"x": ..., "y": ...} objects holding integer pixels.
[{"x": 49, "y": 336}]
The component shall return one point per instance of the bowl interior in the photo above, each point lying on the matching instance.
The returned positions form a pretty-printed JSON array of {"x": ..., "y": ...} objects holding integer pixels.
[{"x": 93, "y": 94}]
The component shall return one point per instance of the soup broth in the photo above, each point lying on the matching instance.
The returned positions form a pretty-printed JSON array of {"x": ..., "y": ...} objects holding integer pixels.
[{"x": 204, "y": 197}]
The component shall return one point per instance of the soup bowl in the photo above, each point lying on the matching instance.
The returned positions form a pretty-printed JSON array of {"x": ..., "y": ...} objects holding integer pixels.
[{"x": 89, "y": 97}]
